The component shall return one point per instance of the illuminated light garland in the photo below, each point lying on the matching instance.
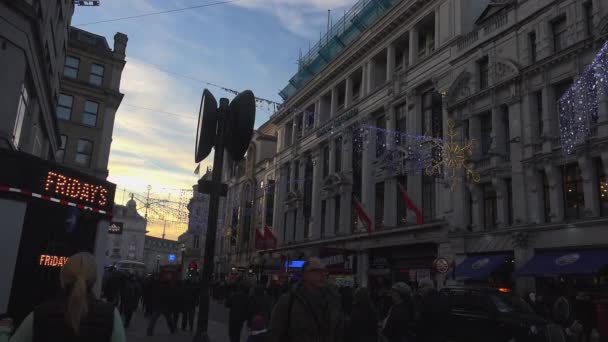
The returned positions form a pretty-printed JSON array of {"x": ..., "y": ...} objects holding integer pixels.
[
  {"x": 578, "y": 107},
  {"x": 453, "y": 157},
  {"x": 53, "y": 199}
]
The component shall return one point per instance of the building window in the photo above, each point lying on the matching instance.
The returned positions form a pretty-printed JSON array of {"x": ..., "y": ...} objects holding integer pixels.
[
  {"x": 401, "y": 124},
  {"x": 89, "y": 117},
  {"x": 432, "y": 114},
  {"x": 401, "y": 207},
  {"x": 83, "y": 152},
  {"x": 379, "y": 206},
  {"x": 64, "y": 107},
  {"x": 288, "y": 133},
  {"x": 323, "y": 214},
  {"x": 559, "y": 34},
  {"x": 380, "y": 135},
  {"x": 296, "y": 171},
  {"x": 195, "y": 241},
  {"x": 428, "y": 198},
  {"x": 510, "y": 213},
  {"x": 357, "y": 155},
  {"x": 532, "y": 46},
  {"x": 270, "y": 203},
  {"x": 96, "y": 77},
  {"x": 489, "y": 206},
  {"x": 486, "y": 133},
  {"x": 337, "y": 214},
  {"x": 299, "y": 126},
  {"x": 288, "y": 176},
  {"x": 574, "y": 199},
  {"x": 506, "y": 131},
  {"x": 325, "y": 161},
  {"x": 484, "y": 73},
  {"x": 588, "y": 8},
  {"x": 538, "y": 96},
  {"x": 603, "y": 185},
  {"x": 546, "y": 197},
  {"x": 309, "y": 113},
  {"x": 61, "y": 151},
  {"x": 22, "y": 109},
  {"x": 70, "y": 68},
  {"x": 338, "y": 153}
]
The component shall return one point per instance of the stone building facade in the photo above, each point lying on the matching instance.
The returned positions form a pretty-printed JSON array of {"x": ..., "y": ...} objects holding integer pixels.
[
  {"x": 249, "y": 201},
  {"x": 33, "y": 44},
  {"x": 160, "y": 252},
  {"x": 88, "y": 101},
  {"x": 495, "y": 69},
  {"x": 130, "y": 244}
]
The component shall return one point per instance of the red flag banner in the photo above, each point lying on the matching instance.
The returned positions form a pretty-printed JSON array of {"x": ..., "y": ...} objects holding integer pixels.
[
  {"x": 362, "y": 215},
  {"x": 260, "y": 239},
  {"x": 270, "y": 238},
  {"x": 410, "y": 204}
]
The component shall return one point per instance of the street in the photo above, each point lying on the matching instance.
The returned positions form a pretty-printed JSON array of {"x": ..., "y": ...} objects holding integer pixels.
[{"x": 218, "y": 328}]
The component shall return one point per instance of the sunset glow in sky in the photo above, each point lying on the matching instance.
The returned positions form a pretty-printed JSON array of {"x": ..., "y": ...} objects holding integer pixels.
[{"x": 247, "y": 44}]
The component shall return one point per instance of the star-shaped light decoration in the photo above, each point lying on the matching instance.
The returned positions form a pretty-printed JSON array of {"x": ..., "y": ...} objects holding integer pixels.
[{"x": 452, "y": 157}]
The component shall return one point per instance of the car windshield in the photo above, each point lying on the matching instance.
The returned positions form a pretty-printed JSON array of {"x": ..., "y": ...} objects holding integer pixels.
[{"x": 510, "y": 303}]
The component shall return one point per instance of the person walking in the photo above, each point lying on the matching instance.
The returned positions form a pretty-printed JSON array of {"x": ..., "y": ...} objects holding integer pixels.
[
  {"x": 75, "y": 316},
  {"x": 309, "y": 312},
  {"x": 111, "y": 288},
  {"x": 260, "y": 303},
  {"x": 399, "y": 324},
  {"x": 129, "y": 297},
  {"x": 364, "y": 318},
  {"x": 434, "y": 311},
  {"x": 160, "y": 304},
  {"x": 189, "y": 300},
  {"x": 239, "y": 306}
]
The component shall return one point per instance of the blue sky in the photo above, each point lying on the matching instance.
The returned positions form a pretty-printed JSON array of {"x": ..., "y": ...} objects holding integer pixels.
[{"x": 247, "y": 44}]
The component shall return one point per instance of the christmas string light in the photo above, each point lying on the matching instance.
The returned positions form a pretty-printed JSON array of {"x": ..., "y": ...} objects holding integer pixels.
[{"x": 578, "y": 107}]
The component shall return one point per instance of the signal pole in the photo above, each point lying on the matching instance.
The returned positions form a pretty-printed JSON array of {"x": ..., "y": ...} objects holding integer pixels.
[{"x": 214, "y": 188}]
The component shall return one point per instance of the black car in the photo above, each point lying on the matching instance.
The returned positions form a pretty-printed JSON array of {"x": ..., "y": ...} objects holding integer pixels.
[{"x": 489, "y": 314}]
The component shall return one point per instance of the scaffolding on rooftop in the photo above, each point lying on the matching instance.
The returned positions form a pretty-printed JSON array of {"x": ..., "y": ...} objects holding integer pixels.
[{"x": 339, "y": 36}]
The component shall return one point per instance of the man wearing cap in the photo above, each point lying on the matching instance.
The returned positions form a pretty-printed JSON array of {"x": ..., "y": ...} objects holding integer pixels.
[{"x": 311, "y": 312}]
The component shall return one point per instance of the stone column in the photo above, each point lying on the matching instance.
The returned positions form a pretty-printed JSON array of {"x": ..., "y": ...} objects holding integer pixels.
[
  {"x": 390, "y": 184},
  {"x": 362, "y": 267},
  {"x": 534, "y": 189},
  {"x": 347, "y": 189},
  {"x": 292, "y": 176},
  {"x": 502, "y": 201},
  {"x": 437, "y": 28},
  {"x": 330, "y": 213},
  {"x": 517, "y": 170},
  {"x": 556, "y": 192},
  {"x": 590, "y": 186},
  {"x": 300, "y": 209},
  {"x": 370, "y": 77},
  {"x": 367, "y": 173},
  {"x": 477, "y": 203},
  {"x": 334, "y": 102},
  {"x": 315, "y": 219},
  {"x": 363, "y": 91},
  {"x": 523, "y": 251},
  {"x": 413, "y": 45},
  {"x": 348, "y": 96},
  {"x": 332, "y": 156},
  {"x": 390, "y": 62},
  {"x": 414, "y": 127},
  {"x": 547, "y": 120},
  {"x": 528, "y": 124}
]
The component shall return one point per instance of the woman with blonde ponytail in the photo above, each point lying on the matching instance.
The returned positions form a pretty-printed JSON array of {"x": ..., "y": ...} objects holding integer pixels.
[{"x": 76, "y": 316}]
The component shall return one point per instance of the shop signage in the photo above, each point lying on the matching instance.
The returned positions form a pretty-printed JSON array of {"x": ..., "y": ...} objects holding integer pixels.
[
  {"x": 27, "y": 175},
  {"x": 379, "y": 262},
  {"x": 481, "y": 263},
  {"x": 333, "y": 260},
  {"x": 115, "y": 228},
  {"x": 441, "y": 265},
  {"x": 52, "y": 260},
  {"x": 567, "y": 259}
]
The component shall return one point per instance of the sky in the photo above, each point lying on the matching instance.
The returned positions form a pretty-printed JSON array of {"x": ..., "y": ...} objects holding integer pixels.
[{"x": 245, "y": 44}]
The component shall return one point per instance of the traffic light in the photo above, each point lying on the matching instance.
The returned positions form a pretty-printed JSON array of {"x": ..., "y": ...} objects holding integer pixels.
[{"x": 192, "y": 269}]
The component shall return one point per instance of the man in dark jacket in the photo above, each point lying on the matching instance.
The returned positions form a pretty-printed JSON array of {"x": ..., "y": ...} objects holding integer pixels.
[
  {"x": 161, "y": 296},
  {"x": 130, "y": 293},
  {"x": 239, "y": 306},
  {"x": 399, "y": 324},
  {"x": 434, "y": 311},
  {"x": 189, "y": 297},
  {"x": 310, "y": 312}
]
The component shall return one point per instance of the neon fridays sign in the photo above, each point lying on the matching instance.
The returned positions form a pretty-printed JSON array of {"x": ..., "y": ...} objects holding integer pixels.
[{"x": 52, "y": 260}]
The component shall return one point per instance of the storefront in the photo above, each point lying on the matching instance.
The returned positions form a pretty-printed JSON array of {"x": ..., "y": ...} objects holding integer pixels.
[
  {"x": 488, "y": 269},
  {"x": 341, "y": 265},
  {"x": 409, "y": 264},
  {"x": 49, "y": 212}
]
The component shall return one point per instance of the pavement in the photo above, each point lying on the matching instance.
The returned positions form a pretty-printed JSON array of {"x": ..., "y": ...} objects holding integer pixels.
[{"x": 218, "y": 328}]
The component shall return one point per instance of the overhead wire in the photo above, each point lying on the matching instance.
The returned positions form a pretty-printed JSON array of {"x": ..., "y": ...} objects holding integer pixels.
[{"x": 156, "y": 13}]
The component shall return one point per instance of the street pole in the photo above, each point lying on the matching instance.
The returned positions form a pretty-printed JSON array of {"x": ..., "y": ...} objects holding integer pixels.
[{"x": 214, "y": 202}]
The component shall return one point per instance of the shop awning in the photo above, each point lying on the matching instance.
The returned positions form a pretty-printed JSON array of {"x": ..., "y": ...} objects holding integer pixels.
[
  {"x": 564, "y": 262},
  {"x": 480, "y": 266}
]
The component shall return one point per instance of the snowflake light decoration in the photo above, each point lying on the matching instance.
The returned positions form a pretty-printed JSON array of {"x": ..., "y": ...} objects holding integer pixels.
[{"x": 451, "y": 157}]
